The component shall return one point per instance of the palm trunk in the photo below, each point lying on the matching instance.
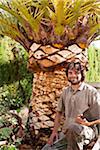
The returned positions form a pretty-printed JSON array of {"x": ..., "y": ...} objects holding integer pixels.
[
  {"x": 46, "y": 92},
  {"x": 48, "y": 63}
]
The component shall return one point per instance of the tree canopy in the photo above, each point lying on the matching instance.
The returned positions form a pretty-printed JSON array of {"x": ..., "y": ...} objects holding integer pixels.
[{"x": 49, "y": 21}]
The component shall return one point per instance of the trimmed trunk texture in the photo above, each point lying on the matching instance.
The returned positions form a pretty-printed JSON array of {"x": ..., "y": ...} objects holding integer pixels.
[
  {"x": 48, "y": 58},
  {"x": 47, "y": 87}
]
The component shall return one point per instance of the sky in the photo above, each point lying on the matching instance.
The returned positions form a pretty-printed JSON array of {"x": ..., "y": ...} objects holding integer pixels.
[{"x": 96, "y": 44}]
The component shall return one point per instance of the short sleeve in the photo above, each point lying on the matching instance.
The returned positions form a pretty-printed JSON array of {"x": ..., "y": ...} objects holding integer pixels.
[
  {"x": 61, "y": 106},
  {"x": 95, "y": 105}
]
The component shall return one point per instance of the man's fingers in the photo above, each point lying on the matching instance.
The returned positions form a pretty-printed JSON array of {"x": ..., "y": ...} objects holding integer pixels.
[
  {"x": 80, "y": 115},
  {"x": 52, "y": 138},
  {"x": 56, "y": 136},
  {"x": 50, "y": 142}
]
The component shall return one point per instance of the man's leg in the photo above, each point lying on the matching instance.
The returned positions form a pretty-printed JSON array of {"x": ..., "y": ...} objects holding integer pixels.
[
  {"x": 76, "y": 135},
  {"x": 72, "y": 134},
  {"x": 59, "y": 144},
  {"x": 74, "y": 139}
]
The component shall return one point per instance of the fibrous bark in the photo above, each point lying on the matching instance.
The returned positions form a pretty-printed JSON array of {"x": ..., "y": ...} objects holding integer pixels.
[{"x": 47, "y": 87}]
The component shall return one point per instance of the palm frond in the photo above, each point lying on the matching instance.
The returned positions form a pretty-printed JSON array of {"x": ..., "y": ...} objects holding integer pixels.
[
  {"x": 8, "y": 27},
  {"x": 51, "y": 21},
  {"x": 20, "y": 11},
  {"x": 23, "y": 11},
  {"x": 6, "y": 11}
]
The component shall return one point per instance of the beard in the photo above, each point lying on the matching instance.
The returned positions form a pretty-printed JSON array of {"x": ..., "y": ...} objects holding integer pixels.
[{"x": 74, "y": 81}]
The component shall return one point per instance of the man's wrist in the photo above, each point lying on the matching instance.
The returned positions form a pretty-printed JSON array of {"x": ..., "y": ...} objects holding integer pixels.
[
  {"x": 93, "y": 122},
  {"x": 54, "y": 130}
]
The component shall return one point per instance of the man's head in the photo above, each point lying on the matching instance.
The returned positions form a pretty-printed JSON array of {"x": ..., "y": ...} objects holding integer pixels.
[{"x": 75, "y": 73}]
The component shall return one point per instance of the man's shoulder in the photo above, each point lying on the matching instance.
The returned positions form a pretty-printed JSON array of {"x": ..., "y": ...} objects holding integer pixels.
[
  {"x": 89, "y": 87},
  {"x": 66, "y": 88}
]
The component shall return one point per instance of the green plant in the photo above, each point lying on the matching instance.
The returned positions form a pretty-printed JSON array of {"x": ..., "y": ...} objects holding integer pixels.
[
  {"x": 15, "y": 80},
  {"x": 9, "y": 126},
  {"x": 93, "y": 75},
  {"x": 9, "y": 147},
  {"x": 5, "y": 133}
]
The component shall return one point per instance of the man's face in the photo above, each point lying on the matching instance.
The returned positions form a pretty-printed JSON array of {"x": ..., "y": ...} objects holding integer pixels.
[{"x": 74, "y": 76}]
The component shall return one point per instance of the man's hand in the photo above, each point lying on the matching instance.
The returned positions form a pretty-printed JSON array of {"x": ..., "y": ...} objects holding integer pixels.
[
  {"x": 54, "y": 136},
  {"x": 81, "y": 120}
]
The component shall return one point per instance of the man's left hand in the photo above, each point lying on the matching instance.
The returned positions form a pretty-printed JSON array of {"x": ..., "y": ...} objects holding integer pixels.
[{"x": 81, "y": 120}]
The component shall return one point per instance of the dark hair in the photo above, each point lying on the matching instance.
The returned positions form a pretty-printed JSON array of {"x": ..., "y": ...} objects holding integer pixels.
[{"x": 78, "y": 67}]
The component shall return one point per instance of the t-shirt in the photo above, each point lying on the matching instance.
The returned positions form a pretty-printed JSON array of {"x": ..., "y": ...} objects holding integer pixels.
[{"x": 86, "y": 100}]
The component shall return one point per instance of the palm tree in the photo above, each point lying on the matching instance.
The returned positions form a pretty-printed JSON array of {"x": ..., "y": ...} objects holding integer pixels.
[{"x": 53, "y": 32}]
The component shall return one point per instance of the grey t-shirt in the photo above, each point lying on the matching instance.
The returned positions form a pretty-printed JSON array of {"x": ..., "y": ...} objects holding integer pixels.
[{"x": 85, "y": 99}]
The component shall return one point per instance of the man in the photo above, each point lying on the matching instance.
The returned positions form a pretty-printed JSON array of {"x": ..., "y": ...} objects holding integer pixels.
[{"x": 80, "y": 103}]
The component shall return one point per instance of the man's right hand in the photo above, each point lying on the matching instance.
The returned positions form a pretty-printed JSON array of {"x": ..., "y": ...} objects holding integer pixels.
[{"x": 53, "y": 137}]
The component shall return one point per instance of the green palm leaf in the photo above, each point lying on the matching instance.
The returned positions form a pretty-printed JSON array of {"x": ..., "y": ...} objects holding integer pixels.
[
  {"x": 20, "y": 11},
  {"x": 36, "y": 20}
]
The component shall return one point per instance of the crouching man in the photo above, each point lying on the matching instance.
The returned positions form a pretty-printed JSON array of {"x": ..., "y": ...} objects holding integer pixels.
[{"x": 80, "y": 103}]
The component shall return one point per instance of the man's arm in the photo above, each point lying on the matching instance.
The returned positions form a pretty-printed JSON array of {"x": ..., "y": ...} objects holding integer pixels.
[
  {"x": 83, "y": 121},
  {"x": 54, "y": 134},
  {"x": 93, "y": 110},
  {"x": 57, "y": 121}
]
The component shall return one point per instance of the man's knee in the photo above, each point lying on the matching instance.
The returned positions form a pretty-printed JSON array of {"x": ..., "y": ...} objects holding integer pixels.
[{"x": 75, "y": 128}]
